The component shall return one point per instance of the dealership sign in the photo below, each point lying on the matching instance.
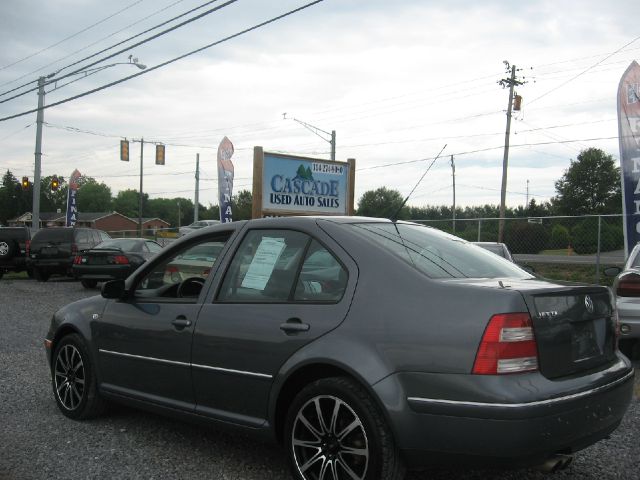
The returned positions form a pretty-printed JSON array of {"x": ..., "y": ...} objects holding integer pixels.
[
  {"x": 629, "y": 137},
  {"x": 289, "y": 185}
]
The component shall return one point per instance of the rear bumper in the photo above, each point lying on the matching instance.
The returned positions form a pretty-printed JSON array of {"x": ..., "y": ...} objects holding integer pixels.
[
  {"x": 101, "y": 272},
  {"x": 510, "y": 432},
  {"x": 629, "y": 317},
  {"x": 51, "y": 263}
]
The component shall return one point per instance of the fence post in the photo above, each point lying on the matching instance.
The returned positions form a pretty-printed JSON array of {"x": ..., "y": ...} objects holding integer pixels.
[
  {"x": 479, "y": 228},
  {"x": 598, "y": 254}
]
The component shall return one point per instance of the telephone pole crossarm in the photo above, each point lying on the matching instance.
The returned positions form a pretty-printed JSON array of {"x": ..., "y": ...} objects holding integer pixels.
[{"x": 319, "y": 132}]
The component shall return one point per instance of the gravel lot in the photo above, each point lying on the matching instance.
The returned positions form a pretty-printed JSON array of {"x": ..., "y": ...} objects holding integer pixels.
[{"x": 38, "y": 442}]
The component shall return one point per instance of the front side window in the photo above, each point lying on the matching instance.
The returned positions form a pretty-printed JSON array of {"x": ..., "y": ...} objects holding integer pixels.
[
  {"x": 437, "y": 254},
  {"x": 265, "y": 267},
  {"x": 182, "y": 274}
]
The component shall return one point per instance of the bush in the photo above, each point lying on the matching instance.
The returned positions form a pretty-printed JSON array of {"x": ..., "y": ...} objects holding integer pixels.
[
  {"x": 560, "y": 237},
  {"x": 585, "y": 236},
  {"x": 523, "y": 237}
]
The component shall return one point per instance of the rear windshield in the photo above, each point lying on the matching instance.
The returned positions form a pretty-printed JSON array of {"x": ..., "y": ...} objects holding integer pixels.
[
  {"x": 53, "y": 235},
  {"x": 126, "y": 245},
  {"x": 438, "y": 254}
]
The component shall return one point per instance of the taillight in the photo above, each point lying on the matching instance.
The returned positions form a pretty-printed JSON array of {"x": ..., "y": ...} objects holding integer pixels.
[
  {"x": 120, "y": 260},
  {"x": 628, "y": 285},
  {"x": 27, "y": 247},
  {"x": 77, "y": 260},
  {"x": 74, "y": 249},
  {"x": 508, "y": 346}
]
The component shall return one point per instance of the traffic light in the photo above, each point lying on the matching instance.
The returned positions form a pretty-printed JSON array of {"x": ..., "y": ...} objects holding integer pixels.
[
  {"x": 55, "y": 183},
  {"x": 159, "y": 154},
  {"x": 25, "y": 183},
  {"x": 124, "y": 150}
]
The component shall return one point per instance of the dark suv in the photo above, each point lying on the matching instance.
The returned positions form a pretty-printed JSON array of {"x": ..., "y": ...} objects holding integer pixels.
[
  {"x": 53, "y": 249},
  {"x": 14, "y": 246}
]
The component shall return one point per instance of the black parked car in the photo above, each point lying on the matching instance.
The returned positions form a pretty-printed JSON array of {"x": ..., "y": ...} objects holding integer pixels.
[
  {"x": 111, "y": 259},
  {"x": 54, "y": 249},
  {"x": 359, "y": 344},
  {"x": 14, "y": 246}
]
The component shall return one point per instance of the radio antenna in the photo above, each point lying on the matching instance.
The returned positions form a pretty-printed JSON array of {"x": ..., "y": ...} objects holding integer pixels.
[{"x": 394, "y": 218}]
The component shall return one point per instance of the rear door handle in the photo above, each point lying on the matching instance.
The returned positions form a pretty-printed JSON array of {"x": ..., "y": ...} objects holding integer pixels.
[
  {"x": 294, "y": 325},
  {"x": 181, "y": 322}
]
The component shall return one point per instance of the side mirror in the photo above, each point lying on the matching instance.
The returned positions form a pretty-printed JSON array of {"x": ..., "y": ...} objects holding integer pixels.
[
  {"x": 113, "y": 289},
  {"x": 612, "y": 271}
]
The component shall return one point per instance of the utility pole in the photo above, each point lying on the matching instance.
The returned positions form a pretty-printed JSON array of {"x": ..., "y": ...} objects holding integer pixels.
[
  {"x": 197, "y": 194},
  {"x": 453, "y": 171},
  {"x": 527, "y": 204},
  {"x": 35, "y": 213},
  {"x": 511, "y": 83},
  {"x": 140, "y": 205}
]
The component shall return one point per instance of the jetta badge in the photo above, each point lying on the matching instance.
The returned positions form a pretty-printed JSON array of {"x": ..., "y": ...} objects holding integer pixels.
[{"x": 588, "y": 303}]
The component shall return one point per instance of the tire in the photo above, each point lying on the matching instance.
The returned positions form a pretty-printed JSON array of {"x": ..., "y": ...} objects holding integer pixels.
[
  {"x": 352, "y": 442},
  {"x": 30, "y": 272},
  {"x": 40, "y": 274},
  {"x": 631, "y": 348},
  {"x": 1, "y": 274},
  {"x": 7, "y": 248},
  {"x": 74, "y": 381},
  {"x": 89, "y": 283}
]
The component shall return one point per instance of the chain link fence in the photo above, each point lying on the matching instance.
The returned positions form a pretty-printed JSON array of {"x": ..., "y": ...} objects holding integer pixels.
[{"x": 590, "y": 240}]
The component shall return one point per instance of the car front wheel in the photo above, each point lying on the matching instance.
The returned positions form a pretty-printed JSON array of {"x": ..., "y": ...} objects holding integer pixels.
[
  {"x": 335, "y": 431},
  {"x": 74, "y": 381},
  {"x": 89, "y": 283}
]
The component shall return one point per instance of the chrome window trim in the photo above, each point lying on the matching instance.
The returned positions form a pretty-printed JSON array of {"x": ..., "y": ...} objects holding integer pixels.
[
  {"x": 521, "y": 405},
  {"x": 183, "y": 364}
]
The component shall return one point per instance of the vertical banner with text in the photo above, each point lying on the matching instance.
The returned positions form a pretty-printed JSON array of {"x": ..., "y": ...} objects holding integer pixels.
[
  {"x": 72, "y": 205},
  {"x": 629, "y": 138},
  {"x": 225, "y": 179}
]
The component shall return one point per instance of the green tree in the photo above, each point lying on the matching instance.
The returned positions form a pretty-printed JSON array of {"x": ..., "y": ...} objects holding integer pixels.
[
  {"x": 94, "y": 197},
  {"x": 13, "y": 200},
  {"x": 242, "y": 205},
  {"x": 591, "y": 185},
  {"x": 52, "y": 201},
  {"x": 384, "y": 203},
  {"x": 127, "y": 203}
]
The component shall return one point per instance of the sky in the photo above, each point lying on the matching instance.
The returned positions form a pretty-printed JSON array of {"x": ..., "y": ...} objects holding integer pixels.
[{"x": 397, "y": 81}]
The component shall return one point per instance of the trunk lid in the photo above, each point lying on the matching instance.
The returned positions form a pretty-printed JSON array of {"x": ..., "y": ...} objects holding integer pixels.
[{"x": 574, "y": 324}]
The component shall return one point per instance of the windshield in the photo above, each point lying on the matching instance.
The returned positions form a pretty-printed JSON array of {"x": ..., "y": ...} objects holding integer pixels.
[{"x": 438, "y": 254}]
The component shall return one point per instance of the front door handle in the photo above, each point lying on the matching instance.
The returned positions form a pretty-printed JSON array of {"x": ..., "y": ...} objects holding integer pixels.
[
  {"x": 181, "y": 322},
  {"x": 294, "y": 325}
]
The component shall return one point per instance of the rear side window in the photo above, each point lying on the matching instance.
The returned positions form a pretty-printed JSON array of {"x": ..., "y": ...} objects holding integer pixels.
[{"x": 322, "y": 277}]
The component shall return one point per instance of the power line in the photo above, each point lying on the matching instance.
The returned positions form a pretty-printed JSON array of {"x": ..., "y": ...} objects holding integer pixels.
[
  {"x": 584, "y": 71},
  {"x": 150, "y": 69},
  {"x": 71, "y": 36},
  {"x": 142, "y": 42}
]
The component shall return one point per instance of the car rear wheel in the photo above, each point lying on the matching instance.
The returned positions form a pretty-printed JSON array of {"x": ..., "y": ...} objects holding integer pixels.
[
  {"x": 41, "y": 275},
  {"x": 74, "y": 381},
  {"x": 89, "y": 283},
  {"x": 335, "y": 431},
  {"x": 7, "y": 249}
]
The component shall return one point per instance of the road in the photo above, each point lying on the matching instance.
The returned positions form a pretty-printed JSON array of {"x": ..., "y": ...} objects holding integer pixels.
[
  {"x": 38, "y": 442},
  {"x": 606, "y": 259}
]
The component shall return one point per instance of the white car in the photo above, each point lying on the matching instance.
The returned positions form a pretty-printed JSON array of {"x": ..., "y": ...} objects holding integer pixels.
[
  {"x": 626, "y": 287},
  {"x": 196, "y": 226}
]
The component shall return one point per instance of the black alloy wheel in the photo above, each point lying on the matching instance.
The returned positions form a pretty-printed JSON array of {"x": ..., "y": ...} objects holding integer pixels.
[
  {"x": 73, "y": 380},
  {"x": 335, "y": 431}
]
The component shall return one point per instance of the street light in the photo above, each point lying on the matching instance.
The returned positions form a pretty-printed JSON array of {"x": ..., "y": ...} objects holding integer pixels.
[
  {"x": 318, "y": 131},
  {"x": 35, "y": 214}
]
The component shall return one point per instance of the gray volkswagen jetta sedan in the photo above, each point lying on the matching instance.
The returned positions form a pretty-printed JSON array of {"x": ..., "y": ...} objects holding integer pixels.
[{"x": 364, "y": 346}]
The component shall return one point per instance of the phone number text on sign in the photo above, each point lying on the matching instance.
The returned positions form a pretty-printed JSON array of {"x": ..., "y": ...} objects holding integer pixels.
[{"x": 327, "y": 168}]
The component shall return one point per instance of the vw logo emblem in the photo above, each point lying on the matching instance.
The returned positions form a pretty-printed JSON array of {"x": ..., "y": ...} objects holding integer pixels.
[{"x": 588, "y": 303}]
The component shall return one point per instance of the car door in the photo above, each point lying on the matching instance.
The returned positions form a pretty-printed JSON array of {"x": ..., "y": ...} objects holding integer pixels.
[
  {"x": 144, "y": 341},
  {"x": 270, "y": 302}
]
